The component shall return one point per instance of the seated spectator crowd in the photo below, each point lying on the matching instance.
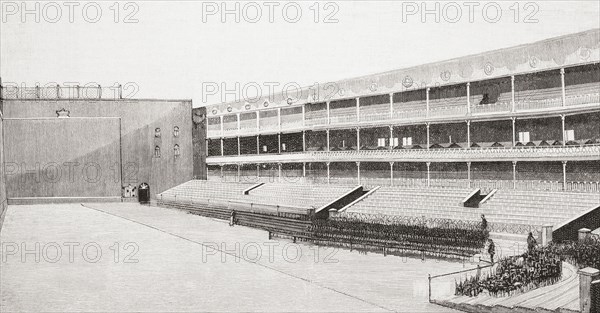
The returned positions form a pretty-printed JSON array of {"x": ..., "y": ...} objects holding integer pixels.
[{"x": 536, "y": 268}]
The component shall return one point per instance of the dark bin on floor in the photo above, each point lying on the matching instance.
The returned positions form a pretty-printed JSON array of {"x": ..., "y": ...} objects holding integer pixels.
[{"x": 144, "y": 193}]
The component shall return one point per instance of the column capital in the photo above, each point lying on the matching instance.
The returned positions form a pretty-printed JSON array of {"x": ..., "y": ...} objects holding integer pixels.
[
  {"x": 513, "y": 118},
  {"x": 468, "y": 122},
  {"x": 562, "y": 117},
  {"x": 392, "y": 163},
  {"x": 469, "y": 163},
  {"x": 428, "y": 164},
  {"x": 564, "y": 163},
  {"x": 357, "y": 163},
  {"x": 327, "y": 163},
  {"x": 427, "y": 124},
  {"x": 589, "y": 271},
  {"x": 514, "y": 163},
  {"x": 468, "y": 83},
  {"x": 562, "y": 71},
  {"x": 512, "y": 78},
  {"x": 428, "y": 89},
  {"x": 391, "y": 127},
  {"x": 357, "y": 128}
]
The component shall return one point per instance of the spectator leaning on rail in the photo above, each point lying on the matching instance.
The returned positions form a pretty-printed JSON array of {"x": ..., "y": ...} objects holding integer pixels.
[
  {"x": 491, "y": 250},
  {"x": 531, "y": 242},
  {"x": 484, "y": 223}
]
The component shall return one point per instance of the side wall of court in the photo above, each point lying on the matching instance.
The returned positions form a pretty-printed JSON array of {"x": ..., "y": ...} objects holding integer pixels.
[
  {"x": 155, "y": 135},
  {"x": 199, "y": 142},
  {"x": 2, "y": 181}
]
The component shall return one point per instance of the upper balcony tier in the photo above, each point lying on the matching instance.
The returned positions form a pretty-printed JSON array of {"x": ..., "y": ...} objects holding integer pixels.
[{"x": 537, "y": 94}]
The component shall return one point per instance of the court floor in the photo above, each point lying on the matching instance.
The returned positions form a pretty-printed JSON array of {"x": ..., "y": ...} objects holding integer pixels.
[{"x": 123, "y": 257}]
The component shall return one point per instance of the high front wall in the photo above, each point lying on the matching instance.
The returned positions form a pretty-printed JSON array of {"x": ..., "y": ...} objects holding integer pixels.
[
  {"x": 155, "y": 136},
  {"x": 54, "y": 157}
]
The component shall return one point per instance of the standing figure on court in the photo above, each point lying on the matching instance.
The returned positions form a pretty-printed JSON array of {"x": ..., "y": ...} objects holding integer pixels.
[{"x": 232, "y": 218}]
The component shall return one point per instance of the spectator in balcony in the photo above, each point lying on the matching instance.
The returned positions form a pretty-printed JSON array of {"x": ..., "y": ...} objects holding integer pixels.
[
  {"x": 491, "y": 250},
  {"x": 531, "y": 242},
  {"x": 485, "y": 99},
  {"x": 484, "y": 223}
]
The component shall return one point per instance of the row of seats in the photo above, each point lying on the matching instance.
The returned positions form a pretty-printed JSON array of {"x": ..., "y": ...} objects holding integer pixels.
[
  {"x": 290, "y": 195},
  {"x": 304, "y": 195},
  {"x": 539, "y": 94},
  {"x": 248, "y": 124},
  {"x": 271, "y": 121},
  {"x": 505, "y": 206},
  {"x": 291, "y": 119},
  {"x": 447, "y": 102},
  {"x": 582, "y": 89},
  {"x": 462, "y": 145},
  {"x": 414, "y": 202},
  {"x": 343, "y": 115},
  {"x": 382, "y": 111}
]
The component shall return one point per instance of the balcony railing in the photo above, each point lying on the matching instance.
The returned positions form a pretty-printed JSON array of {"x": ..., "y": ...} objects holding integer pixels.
[
  {"x": 341, "y": 119},
  {"x": 491, "y": 108},
  {"x": 463, "y": 154},
  {"x": 450, "y": 110},
  {"x": 316, "y": 121},
  {"x": 269, "y": 127},
  {"x": 583, "y": 99},
  {"x": 410, "y": 114}
]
